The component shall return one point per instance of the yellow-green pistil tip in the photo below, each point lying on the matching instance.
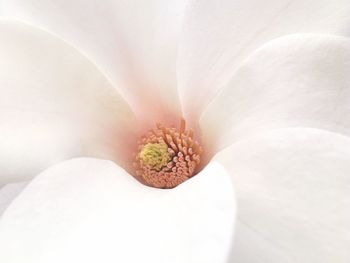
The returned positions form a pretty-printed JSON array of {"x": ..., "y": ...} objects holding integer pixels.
[{"x": 155, "y": 155}]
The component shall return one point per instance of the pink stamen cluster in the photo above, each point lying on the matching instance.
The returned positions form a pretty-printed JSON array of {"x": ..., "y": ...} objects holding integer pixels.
[{"x": 184, "y": 151}]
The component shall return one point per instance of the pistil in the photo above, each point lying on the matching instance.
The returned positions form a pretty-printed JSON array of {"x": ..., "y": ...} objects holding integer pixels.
[{"x": 167, "y": 156}]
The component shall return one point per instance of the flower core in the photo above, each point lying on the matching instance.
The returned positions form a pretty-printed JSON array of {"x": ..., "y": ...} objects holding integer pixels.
[
  {"x": 155, "y": 155},
  {"x": 167, "y": 156}
]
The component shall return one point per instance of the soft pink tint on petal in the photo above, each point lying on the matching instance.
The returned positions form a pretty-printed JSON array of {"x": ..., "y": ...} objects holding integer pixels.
[
  {"x": 219, "y": 35},
  {"x": 298, "y": 80},
  {"x": 54, "y": 104},
  {"x": 293, "y": 193},
  {"x": 133, "y": 42},
  {"x": 89, "y": 210}
]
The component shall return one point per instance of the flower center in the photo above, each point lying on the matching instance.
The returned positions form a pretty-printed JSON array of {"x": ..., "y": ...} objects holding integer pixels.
[
  {"x": 155, "y": 155},
  {"x": 167, "y": 156}
]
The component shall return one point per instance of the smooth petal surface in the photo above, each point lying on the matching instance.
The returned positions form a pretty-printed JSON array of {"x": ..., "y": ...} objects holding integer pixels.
[
  {"x": 54, "y": 104},
  {"x": 133, "y": 42},
  {"x": 293, "y": 196},
  {"x": 89, "y": 210},
  {"x": 252, "y": 246},
  {"x": 299, "y": 80},
  {"x": 219, "y": 35},
  {"x": 8, "y": 193}
]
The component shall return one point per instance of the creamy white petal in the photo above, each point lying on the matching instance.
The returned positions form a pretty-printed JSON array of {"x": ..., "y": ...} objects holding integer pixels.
[
  {"x": 54, "y": 104},
  {"x": 298, "y": 80},
  {"x": 10, "y": 192},
  {"x": 218, "y": 35},
  {"x": 293, "y": 196},
  {"x": 133, "y": 42},
  {"x": 90, "y": 210},
  {"x": 251, "y": 246}
]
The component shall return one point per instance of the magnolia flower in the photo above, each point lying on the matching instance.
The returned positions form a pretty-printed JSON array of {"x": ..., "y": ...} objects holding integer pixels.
[{"x": 263, "y": 84}]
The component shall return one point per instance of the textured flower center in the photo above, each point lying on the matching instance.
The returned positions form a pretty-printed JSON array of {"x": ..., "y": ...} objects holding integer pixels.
[
  {"x": 167, "y": 156},
  {"x": 155, "y": 155}
]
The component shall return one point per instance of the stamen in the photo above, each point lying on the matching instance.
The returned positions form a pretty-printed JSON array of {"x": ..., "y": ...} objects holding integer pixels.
[{"x": 167, "y": 156}]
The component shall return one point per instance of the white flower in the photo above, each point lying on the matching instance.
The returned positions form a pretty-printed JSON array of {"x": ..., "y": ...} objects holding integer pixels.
[{"x": 268, "y": 84}]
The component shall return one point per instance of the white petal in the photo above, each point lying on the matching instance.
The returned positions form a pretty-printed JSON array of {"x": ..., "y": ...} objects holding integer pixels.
[
  {"x": 299, "y": 80},
  {"x": 251, "y": 246},
  {"x": 10, "y": 192},
  {"x": 218, "y": 35},
  {"x": 54, "y": 104},
  {"x": 89, "y": 210},
  {"x": 293, "y": 196},
  {"x": 133, "y": 42}
]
